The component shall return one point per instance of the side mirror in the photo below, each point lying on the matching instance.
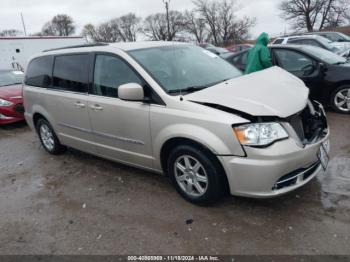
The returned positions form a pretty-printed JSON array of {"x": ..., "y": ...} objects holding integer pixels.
[{"x": 131, "y": 92}]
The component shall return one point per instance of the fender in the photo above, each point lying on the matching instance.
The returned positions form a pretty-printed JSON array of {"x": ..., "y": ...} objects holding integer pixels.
[{"x": 195, "y": 133}]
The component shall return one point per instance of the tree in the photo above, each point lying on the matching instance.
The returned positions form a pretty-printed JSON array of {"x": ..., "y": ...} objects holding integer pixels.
[
  {"x": 90, "y": 33},
  {"x": 60, "y": 25},
  {"x": 196, "y": 26},
  {"x": 108, "y": 32},
  {"x": 124, "y": 28},
  {"x": 10, "y": 32},
  {"x": 224, "y": 26},
  {"x": 315, "y": 14},
  {"x": 155, "y": 26},
  {"x": 129, "y": 26}
]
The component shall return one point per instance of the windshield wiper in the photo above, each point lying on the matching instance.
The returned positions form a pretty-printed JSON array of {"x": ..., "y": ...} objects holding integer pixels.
[{"x": 189, "y": 89}]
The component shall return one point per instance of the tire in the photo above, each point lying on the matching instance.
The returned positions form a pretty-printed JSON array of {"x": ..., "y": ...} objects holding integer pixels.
[
  {"x": 340, "y": 99},
  {"x": 193, "y": 169},
  {"x": 48, "y": 137}
]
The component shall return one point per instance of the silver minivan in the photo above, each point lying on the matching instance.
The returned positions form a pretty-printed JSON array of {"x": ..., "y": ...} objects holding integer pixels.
[{"x": 178, "y": 109}]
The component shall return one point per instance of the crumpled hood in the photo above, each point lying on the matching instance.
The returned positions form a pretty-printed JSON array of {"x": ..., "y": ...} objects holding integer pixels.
[{"x": 271, "y": 92}]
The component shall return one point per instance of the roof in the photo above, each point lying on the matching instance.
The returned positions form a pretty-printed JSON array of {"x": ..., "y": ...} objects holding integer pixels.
[
  {"x": 300, "y": 36},
  {"x": 108, "y": 47},
  {"x": 291, "y": 46},
  {"x": 39, "y": 37},
  {"x": 127, "y": 46}
]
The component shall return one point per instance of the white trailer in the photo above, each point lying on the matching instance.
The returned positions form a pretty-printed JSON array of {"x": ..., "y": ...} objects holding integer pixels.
[{"x": 15, "y": 51}]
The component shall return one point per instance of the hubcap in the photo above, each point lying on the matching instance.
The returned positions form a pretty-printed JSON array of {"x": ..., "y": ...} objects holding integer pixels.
[
  {"x": 342, "y": 100},
  {"x": 47, "y": 137},
  {"x": 191, "y": 176}
]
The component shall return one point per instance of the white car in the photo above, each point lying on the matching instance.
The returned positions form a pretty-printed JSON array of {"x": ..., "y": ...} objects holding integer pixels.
[{"x": 340, "y": 48}]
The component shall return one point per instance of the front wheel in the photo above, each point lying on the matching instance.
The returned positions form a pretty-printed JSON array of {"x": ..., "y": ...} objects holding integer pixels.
[
  {"x": 340, "y": 99},
  {"x": 195, "y": 174}
]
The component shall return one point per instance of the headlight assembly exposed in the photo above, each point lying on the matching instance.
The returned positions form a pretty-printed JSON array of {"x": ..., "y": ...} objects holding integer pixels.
[
  {"x": 260, "y": 134},
  {"x": 5, "y": 102}
]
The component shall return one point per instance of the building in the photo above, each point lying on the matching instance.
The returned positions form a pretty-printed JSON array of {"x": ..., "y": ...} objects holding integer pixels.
[{"x": 15, "y": 51}]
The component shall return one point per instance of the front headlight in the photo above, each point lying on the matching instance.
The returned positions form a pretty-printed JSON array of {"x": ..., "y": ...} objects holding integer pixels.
[
  {"x": 260, "y": 134},
  {"x": 5, "y": 102}
]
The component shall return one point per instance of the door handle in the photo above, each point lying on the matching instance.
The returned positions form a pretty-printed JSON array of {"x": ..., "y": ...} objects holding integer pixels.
[
  {"x": 96, "y": 107},
  {"x": 79, "y": 104}
]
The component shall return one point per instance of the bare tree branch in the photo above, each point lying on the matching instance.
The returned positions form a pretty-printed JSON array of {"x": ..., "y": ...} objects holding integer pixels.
[
  {"x": 155, "y": 26},
  {"x": 315, "y": 14},
  {"x": 60, "y": 25}
]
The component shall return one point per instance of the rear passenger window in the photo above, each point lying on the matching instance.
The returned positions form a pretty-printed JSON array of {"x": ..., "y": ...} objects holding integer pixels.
[
  {"x": 71, "y": 73},
  {"x": 110, "y": 73},
  {"x": 39, "y": 72}
]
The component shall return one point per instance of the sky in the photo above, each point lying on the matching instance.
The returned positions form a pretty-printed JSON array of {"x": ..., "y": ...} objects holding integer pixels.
[{"x": 37, "y": 12}]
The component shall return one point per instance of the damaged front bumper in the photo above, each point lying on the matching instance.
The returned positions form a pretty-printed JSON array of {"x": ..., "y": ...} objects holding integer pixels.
[{"x": 285, "y": 165}]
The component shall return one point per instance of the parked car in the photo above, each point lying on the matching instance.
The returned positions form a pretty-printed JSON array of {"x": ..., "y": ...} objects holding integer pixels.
[
  {"x": 11, "y": 102},
  {"x": 325, "y": 73},
  {"x": 315, "y": 40},
  {"x": 174, "y": 108},
  {"x": 222, "y": 52},
  {"x": 332, "y": 36},
  {"x": 239, "y": 48},
  {"x": 206, "y": 45}
]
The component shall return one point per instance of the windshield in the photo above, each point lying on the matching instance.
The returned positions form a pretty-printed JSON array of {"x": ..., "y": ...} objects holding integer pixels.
[
  {"x": 10, "y": 78},
  {"x": 324, "y": 55},
  {"x": 181, "y": 67}
]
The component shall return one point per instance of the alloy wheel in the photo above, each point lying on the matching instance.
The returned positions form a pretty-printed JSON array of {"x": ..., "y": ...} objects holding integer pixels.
[
  {"x": 342, "y": 100},
  {"x": 47, "y": 137},
  {"x": 191, "y": 176}
]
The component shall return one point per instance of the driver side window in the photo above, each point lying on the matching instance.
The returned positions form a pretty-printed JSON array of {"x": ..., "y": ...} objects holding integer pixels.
[
  {"x": 111, "y": 72},
  {"x": 294, "y": 62}
]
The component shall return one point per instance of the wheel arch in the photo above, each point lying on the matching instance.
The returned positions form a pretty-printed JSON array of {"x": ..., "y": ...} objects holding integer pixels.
[
  {"x": 173, "y": 142},
  {"x": 337, "y": 85},
  {"x": 36, "y": 118}
]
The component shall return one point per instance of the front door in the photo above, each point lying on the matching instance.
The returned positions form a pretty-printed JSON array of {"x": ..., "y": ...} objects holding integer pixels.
[
  {"x": 121, "y": 128},
  {"x": 302, "y": 66}
]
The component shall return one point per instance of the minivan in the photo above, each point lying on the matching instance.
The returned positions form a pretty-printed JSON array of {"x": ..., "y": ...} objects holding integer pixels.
[{"x": 180, "y": 110}]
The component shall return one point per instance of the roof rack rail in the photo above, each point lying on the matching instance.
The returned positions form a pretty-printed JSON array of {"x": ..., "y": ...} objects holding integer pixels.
[{"x": 75, "y": 46}]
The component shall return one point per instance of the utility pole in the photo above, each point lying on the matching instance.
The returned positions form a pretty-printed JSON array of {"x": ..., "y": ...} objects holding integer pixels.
[
  {"x": 24, "y": 26},
  {"x": 167, "y": 2}
]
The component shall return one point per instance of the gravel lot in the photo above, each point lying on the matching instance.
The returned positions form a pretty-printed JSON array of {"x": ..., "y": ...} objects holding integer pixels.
[{"x": 79, "y": 204}]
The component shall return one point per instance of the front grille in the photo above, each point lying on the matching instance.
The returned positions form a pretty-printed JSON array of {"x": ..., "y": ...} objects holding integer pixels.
[
  {"x": 292, "y": 178},
  {"x": 307, "y": 126},
  {"x": 297, "y": 123}
]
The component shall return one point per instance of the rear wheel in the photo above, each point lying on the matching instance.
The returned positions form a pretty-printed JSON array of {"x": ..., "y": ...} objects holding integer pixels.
[
  {"x": 340, "y": 99},
  {"x": 48, "y": 137},
  {"x": 195, "y": 174}
]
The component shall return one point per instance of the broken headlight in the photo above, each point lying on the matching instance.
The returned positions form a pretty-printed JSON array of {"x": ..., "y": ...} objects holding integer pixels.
[{"x": 260, "y": 134}]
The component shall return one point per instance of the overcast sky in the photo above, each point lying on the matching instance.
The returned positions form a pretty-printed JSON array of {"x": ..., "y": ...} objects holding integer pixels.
[{"x": 37, "y": 12}]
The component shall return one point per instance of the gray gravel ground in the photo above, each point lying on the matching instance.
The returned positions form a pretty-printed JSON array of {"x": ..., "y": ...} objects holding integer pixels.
[{"x": 80, "y": 204}]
